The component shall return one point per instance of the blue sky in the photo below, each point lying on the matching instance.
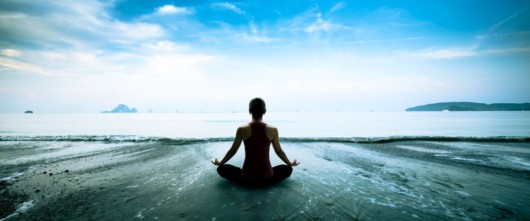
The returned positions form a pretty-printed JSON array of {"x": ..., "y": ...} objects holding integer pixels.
[{"x": 214, "y": 56}]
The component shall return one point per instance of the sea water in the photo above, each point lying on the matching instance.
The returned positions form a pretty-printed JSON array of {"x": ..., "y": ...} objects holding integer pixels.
[
  {"x": 355, "y": 166},
  {"x": 299, "y": 125}
]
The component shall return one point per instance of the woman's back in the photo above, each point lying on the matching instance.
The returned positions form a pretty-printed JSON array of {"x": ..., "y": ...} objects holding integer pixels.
[{"x": 257, "y": 147}]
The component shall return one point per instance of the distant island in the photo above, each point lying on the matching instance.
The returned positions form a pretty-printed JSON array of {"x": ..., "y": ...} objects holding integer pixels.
[
  {"x": 470, "y": 106},
  {"x": 122, "y": 108}
]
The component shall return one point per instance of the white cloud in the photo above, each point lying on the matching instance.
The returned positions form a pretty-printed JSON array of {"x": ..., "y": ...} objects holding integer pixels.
[
  {"x": 14, "y": 15},
  {"x": 444, "y": 53},
  {"x": 164, "y": 45},
  {"x": 11, "y": 52},
  {"x": 171, "y": 9},
  {"x": 135, "y": 31},
  {"x": 502, "y": 51},
  {"x": 83, "y": 24},
  {"x": 228, "y": 6},
  {"x": 386, "y": 40},
  {"x": 337, "y": 7},
  {"x": 22, "y": 67},
  {"x": 450, "y": 53},
  {"x": 516, "y": 37},
  {"x": 52, "y": 56},
  {"x": 318, "y": 26},
  {"x": 254, "y": 36},
  {"x": 501, "y": 23},
  {"x": 322, "y": 25}
]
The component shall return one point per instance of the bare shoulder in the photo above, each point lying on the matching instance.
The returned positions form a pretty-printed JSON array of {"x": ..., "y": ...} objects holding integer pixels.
[
  {"x": 271, "y": 131},
  {"x": 244, "y": 131},
  {"x": 244, "y": 127},
  {"x": 271, "y": 128}
]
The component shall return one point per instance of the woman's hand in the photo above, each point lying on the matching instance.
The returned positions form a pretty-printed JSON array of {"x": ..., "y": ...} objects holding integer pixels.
[
  {"x": 216, "y": 162},
  {"x": 294, "y": 163}
]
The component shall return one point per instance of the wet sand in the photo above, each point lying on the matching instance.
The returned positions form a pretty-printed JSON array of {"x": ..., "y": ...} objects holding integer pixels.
[{"x": 410, "y": 180}]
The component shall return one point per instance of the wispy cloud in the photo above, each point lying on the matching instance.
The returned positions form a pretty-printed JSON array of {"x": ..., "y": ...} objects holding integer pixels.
[
  {"x": 320, "y": 25},
  {"x": 314, "y": 24},
  {"x": 22, "y": 67},
  {"x": 89, "y": 42},
  {"x": 338, "y": 6},
  {"x": 76, "y": 25},
  {"x": 171, "y": 9},
  {"x": 228, "y": 6},
  {"x": 254, "y": 36},
  {"x": 510, "y": 17},
  {"x": 503, "y": 34},
  {"x": 507, "y": 51},
  {"x": 10, "y": 15},
  {"x": 135, "y": 31},
  {"x": 453, "y": 53},
  {"x": 386, "y": 40},
  {"x": 164, "y": 45},
  {"x": 11, "y": 52},
  {"x": 444, "y": 53}
]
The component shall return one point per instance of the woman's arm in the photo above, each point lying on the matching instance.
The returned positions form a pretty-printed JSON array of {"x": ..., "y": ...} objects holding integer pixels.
[
  {"x": 279, "y": 151},
  {"x": 233, "y": 149}
]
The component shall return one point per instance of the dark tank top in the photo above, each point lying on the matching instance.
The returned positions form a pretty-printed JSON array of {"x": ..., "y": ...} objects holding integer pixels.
[{"x": 257, "y": 163}]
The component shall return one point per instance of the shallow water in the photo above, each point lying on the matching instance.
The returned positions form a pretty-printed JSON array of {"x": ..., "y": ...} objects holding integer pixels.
[{"x": 157, "y": 180}]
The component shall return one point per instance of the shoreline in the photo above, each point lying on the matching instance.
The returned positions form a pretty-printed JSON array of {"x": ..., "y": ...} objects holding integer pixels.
[
  {"x": 186, "y": 140},
  {"x": 367, "y": 181}
]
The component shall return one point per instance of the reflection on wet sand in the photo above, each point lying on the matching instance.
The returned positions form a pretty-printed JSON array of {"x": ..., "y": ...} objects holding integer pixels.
[{"x": 344, "y": 181}]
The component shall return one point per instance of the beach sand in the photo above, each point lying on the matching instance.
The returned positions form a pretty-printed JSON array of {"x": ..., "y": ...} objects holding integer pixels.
[{"x": 407, "y": 180}]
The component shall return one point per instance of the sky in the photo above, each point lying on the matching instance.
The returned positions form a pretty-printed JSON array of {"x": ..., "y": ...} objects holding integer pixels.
[{"x": 69, "y": 56}]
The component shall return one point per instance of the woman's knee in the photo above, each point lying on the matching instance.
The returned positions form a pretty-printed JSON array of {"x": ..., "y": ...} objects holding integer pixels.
[
  {"x": 221, "y": 170},
  {"x": 288, "y": 170},
  {"x": 284, "y": 170},
  {"x": 228, "y": 171}
]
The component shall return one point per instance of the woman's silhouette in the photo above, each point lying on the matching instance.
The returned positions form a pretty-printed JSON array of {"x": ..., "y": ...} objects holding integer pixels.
[{"x": 257, "y": 136}]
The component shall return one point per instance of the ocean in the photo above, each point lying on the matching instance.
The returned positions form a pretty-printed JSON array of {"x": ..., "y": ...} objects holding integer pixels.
[
  {"x": 299, "y": 125},
  {"x": 354, "y": 166}
]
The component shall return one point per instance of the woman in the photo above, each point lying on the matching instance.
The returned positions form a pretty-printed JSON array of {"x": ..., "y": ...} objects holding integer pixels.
[{"x": 257, "y": 136}]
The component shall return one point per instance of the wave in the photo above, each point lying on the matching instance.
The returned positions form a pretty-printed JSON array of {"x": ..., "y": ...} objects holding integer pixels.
[
  {"x": 141, "y": 139},
  {"x": 111, "y": 139}
]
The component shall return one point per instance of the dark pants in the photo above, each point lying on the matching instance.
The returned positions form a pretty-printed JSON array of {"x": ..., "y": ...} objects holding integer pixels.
[{"x": 233, "y": 173}]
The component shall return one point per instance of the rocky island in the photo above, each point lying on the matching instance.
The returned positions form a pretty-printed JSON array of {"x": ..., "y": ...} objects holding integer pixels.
[
  {"x": 122, "y": 108},
  {"x": 470, "y": 106}
]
